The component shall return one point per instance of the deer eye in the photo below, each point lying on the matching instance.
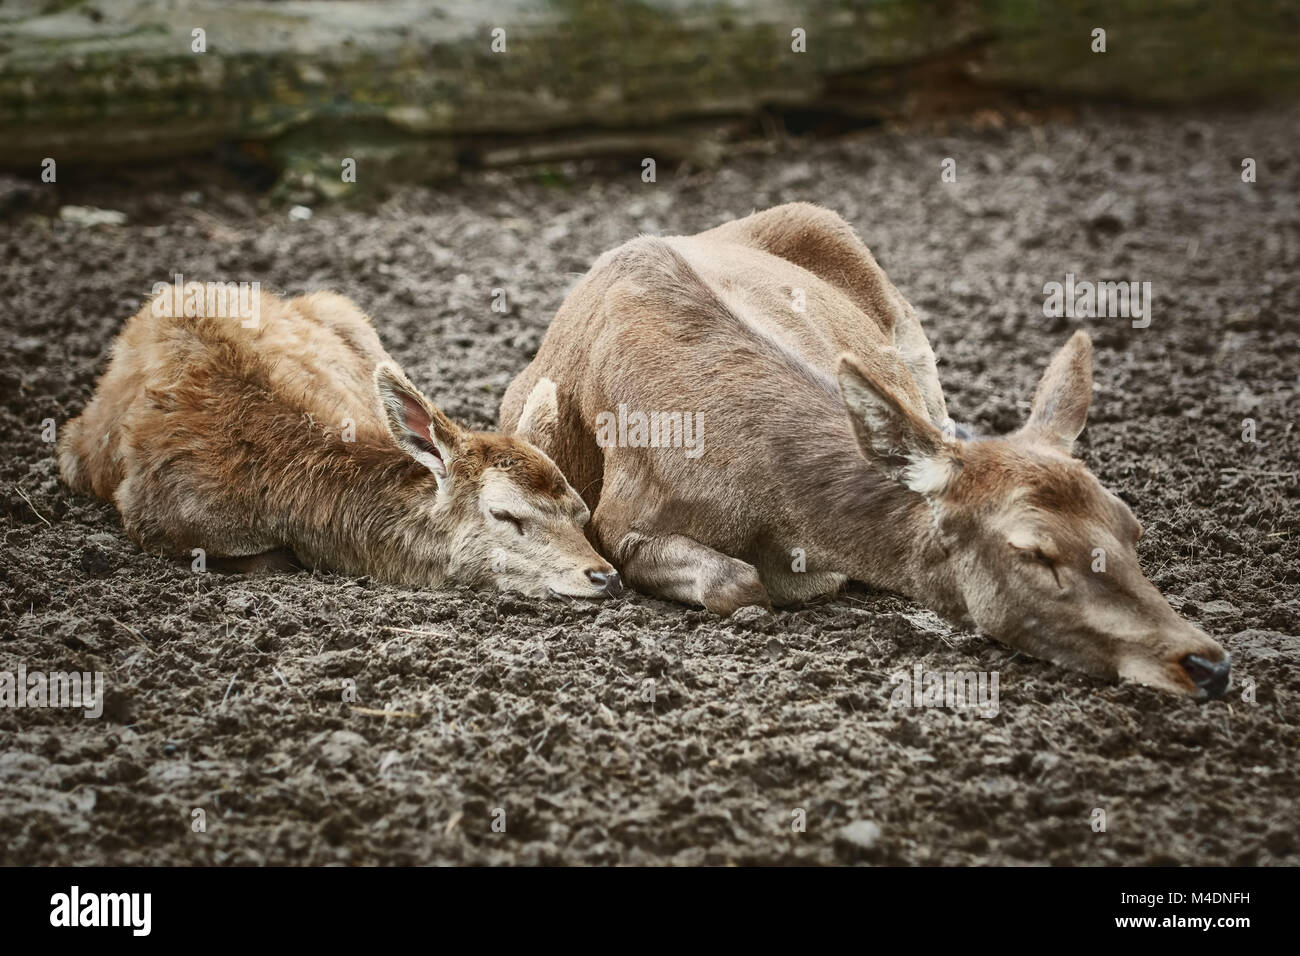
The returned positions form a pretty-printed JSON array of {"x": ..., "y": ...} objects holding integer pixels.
[
  {"x": 1038, "y": 556},
  {"x": 509, "y": 519}
]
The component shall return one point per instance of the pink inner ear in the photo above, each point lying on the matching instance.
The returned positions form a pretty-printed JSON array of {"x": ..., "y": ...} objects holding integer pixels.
[{"x": 418, "y": 423}]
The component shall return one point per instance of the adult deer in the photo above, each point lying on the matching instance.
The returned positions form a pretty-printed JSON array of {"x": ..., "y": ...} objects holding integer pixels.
[
  {"x": 298, "y": 434},
  {"x": 830, "y": 455}
]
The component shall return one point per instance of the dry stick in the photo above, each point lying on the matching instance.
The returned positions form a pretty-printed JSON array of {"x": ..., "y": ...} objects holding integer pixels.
[
  {"x": 229, "y": 688},
  {"x": 134, "y": 633},
  {"x": 413, "y": 630},
  {"x": 372, "y": 712},
  {"x": 32, "y": 506}
]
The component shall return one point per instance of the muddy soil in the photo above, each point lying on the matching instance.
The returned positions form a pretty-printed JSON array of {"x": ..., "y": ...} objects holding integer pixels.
[{"x": 225, "y": 694}]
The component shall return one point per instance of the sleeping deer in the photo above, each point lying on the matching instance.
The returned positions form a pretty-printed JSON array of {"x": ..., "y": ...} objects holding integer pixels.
[
  {"x": 829, "y": 454},
  {"x": 300, "y": 435}
]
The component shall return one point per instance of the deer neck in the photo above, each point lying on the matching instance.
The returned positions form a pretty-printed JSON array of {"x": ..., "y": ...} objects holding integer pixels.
[
  {"x": 377, "y": 514},
  {"x": 885, "y": 535}
]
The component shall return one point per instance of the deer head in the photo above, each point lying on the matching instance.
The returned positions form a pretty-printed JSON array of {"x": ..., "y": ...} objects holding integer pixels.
[
  {"x": 1034, "y": 550},
  {"x": 511, "y": 517}
]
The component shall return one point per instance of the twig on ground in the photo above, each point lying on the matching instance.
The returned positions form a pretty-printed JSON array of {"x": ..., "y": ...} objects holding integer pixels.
[
  {"x": 415, "y": 630},
  {"x": 134, "y": 633},
  {"x": 372, "y": 712},
  {"x": 23, "y": 495}
]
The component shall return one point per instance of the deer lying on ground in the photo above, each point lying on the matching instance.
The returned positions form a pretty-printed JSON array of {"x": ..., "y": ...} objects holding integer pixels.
[
  {"x": 830, "y": 454},
  {"x": 301, "y": 435}
]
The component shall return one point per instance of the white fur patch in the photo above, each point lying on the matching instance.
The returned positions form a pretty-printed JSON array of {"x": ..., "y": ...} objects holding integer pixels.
[
  {"x": 433, "y": 464},
  {"x": 928, "y": 476}
]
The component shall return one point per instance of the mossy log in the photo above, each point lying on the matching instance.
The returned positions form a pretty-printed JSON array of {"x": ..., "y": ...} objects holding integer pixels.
[{"x": 119, "y": 81}]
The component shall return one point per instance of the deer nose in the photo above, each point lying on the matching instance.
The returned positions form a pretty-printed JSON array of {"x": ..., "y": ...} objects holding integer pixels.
[
  {"x": 1210, "y": 676},
  {"x": 608, "y": 580}
]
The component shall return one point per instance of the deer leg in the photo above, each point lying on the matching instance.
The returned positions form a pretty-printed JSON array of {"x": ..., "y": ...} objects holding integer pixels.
[
  {"x": 667, "y": 565},
  {"x": 170, "y": 517},
  {"x": 681, "y": 569}
]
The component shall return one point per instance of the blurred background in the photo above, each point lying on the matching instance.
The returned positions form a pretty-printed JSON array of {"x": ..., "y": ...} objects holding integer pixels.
[{"x": 279, "y": 92}]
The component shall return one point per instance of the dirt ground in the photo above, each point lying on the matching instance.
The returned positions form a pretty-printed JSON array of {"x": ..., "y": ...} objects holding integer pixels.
[{"x": 224, "y": 693}]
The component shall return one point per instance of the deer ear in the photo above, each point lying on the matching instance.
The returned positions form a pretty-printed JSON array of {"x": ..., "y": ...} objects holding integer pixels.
[
  {"x": 893, "y": 435},
  {"x": 419, "y": 429},
  {"x": 539, "y": 422},
  {"x": 1064, "y": 393}
]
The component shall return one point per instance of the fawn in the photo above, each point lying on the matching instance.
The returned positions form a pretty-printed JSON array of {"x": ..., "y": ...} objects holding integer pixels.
[{"x": 300, "y": 435}]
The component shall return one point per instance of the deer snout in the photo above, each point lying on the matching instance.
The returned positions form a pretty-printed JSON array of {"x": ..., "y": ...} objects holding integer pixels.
[
  {"x": 606, "y": 579},
  {"x": 1201, "y": 664},
  {"x": 1183, "y": 660},
  {"x": 1210, "y": 677}
]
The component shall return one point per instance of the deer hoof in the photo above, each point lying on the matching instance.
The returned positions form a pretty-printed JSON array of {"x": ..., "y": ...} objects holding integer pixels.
[{"x": 733, "y": 587}]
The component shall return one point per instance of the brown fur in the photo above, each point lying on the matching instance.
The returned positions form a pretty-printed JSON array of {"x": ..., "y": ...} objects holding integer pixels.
[
  {"x": 206, "y": 434},
  {"x": 827, "y": 433}
]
